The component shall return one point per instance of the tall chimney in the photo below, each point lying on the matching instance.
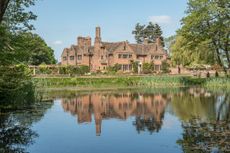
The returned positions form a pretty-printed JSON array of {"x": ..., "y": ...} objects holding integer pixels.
[
  {"x": 146, "y": 41},
  {"x": 98, "y": 32},
  {"x": 97, "y": 42},
  {"x": 158, "y": 41}
]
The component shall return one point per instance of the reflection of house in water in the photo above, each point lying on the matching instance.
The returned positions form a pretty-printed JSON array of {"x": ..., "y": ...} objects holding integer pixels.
[{"x": 121, "y": 106}]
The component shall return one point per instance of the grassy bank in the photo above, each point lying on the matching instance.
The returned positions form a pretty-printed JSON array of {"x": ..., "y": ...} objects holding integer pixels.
[{"x": 130, "y": 82}]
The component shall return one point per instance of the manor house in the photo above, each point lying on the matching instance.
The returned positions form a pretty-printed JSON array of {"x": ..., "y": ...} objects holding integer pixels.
[{"x": 103, "y": 54}]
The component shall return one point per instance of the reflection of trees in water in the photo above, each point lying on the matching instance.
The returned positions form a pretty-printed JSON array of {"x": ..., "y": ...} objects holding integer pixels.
[
  {"x": 206, "y": 106},
  {"x": 150, "y": 124},
  {"x": 14, "y": 136},
  {"x": 21, "y": 110},
  {"x": 205, "y": 136},
  {"x": 211, "y": 129}
]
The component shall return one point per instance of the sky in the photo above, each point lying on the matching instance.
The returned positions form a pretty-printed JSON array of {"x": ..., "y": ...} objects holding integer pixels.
[{"x": 60, "y": 22}]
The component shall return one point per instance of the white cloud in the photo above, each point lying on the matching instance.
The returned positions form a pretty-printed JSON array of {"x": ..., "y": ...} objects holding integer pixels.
[
  {"x": 58, "y": 42},
  {"x": 162, "y": 19}
]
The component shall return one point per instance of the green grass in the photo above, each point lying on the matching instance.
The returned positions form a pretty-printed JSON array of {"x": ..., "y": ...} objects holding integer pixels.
[{"x": 131, "y": 82}]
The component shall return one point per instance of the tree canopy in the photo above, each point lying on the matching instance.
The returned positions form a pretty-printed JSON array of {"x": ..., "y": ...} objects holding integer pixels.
[
  {"x": 17, "y": 43},
  {"x": 149, "y": 32},
  {"x": 207, "y": 22},
  {"x": 15, "y": 15}
]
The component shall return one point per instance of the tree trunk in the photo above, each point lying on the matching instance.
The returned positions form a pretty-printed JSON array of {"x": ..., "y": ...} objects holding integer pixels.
[
  {"x": 3, "y": 7},
  {"x": 226, "y": 50},
  {"x": 218, "y": 55}
]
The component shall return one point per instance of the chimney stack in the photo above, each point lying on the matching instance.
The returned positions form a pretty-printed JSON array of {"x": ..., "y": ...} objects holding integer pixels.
[
  {"x": 158, "y": 41},
  {"x": 98, "y": 32},
  {"x": 146, "y": 41},
  {"x": 97, "y": 42}
]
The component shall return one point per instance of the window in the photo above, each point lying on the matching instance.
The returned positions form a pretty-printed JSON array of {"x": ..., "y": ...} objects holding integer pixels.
[
  {"x": 79, "y": 57},
  {"x": 64, "y": 58},
  {"x": 161, "y": 57},
  {"x": 125, "y": 55},
  {"x": 126, "y": 67},
  {"x": 156, "y": 57},
  {"x": 71, "y": 57},
  {"x": 152, "y": 57}
]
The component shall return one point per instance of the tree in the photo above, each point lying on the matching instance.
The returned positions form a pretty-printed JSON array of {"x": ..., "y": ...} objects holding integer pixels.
[
  {"x": 15, "y": 15},
  {"x": 169, "y": 42},
  {"x": 209, "y": 21},
  {"x": 186, "y": 54},
  {"x": 3, "y": 7},
  {"x": 165, "y": 67},
  {"x": 148, "y": 68},
  {"x": 32, "y": 49},
  {"x": 150, "y": 32}
]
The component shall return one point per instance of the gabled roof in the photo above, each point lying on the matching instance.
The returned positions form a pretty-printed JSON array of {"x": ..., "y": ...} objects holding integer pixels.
[{"x": 111, "y": 47}]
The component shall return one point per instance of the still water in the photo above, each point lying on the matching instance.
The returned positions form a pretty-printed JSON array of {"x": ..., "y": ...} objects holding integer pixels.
[{"x": 126, "y": 121}]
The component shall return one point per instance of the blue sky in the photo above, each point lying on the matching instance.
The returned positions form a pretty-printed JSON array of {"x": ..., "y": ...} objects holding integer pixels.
[{"x": 61, "y": 21}]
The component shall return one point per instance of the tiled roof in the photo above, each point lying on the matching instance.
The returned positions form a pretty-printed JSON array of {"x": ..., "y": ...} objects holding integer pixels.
[
  {"x": 139, "y": 49},
  {"x": 111, "y": 46}
]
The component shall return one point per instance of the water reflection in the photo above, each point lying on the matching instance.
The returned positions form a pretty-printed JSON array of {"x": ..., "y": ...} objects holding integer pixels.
[
  {"x": 147, "y": 108},
  {"x": 16, "y": 133},
  {"x": 202, "y": 117}
]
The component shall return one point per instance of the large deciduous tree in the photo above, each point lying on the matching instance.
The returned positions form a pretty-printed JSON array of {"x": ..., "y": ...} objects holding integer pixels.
[
  {"x": 3, "y": 7},
  {"x": 15, "y": 15},
  {"x": 209, "y": 21},
  {"x": 183, "y": 53},
  {"x": 150, "y": 32}
]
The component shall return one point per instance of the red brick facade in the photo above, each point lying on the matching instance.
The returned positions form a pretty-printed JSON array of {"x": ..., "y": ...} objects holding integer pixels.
[{"x": 104, "y": 54}]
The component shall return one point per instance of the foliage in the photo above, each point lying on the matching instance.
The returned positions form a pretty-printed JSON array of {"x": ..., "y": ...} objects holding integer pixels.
[
  {"x": 168, "y": 43},
  {"x": 38, "y": 51},
  {"x": 185, "y": 54},
  {"x": 31, "y": 49},
  {"x": 148, "y": 68},
  {"x": 135, "y": 66},
  {"x": 208, "y": 21},
  {"x": 165, "y": 67},
  {"x": 16, "y": 88},
  {"x": 15, "y": 15},
  {"x": 114, "y": 68},
  {"x": 150, "y": 32},
  {"x": 74, "y": 70}
]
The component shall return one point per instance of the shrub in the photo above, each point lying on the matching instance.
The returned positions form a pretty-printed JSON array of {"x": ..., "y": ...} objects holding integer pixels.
[
  {"x": 165, "y": 67},
  {"x": 114, "y": 68},
  {"x": 44, "y": 69},
  {"x": 148, "y": 68},
  {"x": 135, "y": 67}
]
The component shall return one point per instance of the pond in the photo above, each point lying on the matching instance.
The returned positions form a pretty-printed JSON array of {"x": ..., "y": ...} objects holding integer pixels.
[{"x": 124, "y": 121}]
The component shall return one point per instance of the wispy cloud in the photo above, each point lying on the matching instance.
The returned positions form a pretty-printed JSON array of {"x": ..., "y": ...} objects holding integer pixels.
[
  {"x": 58, "y": 42},
  {"x": 162, "y": 19}
]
